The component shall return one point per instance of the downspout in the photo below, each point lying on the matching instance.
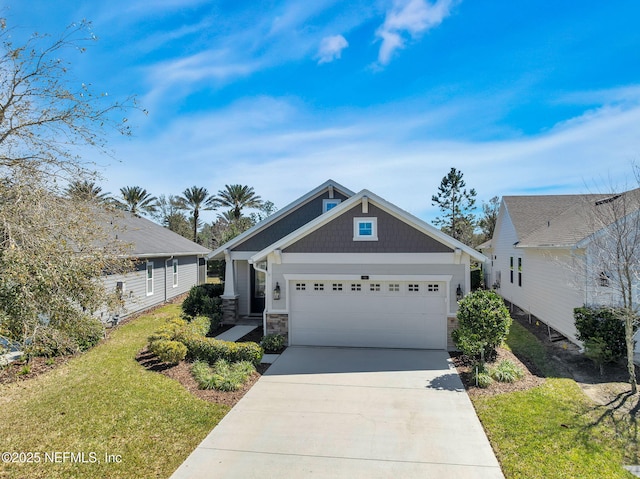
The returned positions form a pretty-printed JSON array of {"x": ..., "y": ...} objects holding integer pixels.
[{"x": 166, "y": 269}]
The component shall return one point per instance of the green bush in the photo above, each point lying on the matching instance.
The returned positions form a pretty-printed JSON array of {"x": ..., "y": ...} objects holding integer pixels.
[
  {"x": 481, "y": 376},
  {"x": 49, "y": 341},
  {"x": 483, "y": 324},
  {"x": 204, "y": 300},
  {"x": 171, "y": 352},
  {"x": 170, "y": 331},
  {"x": 223, "y": 376},
  {"x": 602, "y": 329},
  {"x": 86, "y": 332},
  {"x": 273, "y": 343},
  {"x": 506, "y": 371},
  {"x": 211, "y": 350}
]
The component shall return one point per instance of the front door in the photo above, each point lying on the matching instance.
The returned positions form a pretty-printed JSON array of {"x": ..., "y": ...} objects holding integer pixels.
[{"x": 258, "y": 281}]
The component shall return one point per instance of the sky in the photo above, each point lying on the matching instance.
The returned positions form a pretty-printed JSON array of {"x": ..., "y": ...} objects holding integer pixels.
[{"x": 526, "y": 97}]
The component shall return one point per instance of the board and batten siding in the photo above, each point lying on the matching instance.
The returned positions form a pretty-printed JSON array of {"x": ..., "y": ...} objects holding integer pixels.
[{"x": 549, "y": 290}]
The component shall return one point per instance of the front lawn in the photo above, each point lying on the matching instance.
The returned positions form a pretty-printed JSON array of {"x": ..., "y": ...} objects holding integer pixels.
[
  {"x": 554, "y": 430},
  {"x": 104, "y": 403}
]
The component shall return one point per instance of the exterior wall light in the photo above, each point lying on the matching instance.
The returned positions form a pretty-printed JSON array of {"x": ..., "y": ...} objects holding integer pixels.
[
  {"x": 276, "y": 291},
  {"x": 459, "y": 293}
]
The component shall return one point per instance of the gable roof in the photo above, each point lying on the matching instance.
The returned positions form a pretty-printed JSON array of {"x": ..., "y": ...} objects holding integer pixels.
[
  {"x": 148, "y": 239},
  {"x": 382, "y": 204},
  {"x": 280, "y": 214},
  {"x": 557, "y": 220}
]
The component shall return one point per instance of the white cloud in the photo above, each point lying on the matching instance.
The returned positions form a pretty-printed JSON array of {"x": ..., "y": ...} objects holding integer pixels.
[
  {"x": 331, "y": 48},
  {"x": 279, "y": 148},
  {"x": 409, "y": 17}
]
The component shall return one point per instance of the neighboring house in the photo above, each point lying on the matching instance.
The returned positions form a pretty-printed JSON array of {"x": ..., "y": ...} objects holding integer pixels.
[
  {"x": 543, "y": 259},
  {"x": 167, "y": 265},
  {"x": 336, "y": 268}
]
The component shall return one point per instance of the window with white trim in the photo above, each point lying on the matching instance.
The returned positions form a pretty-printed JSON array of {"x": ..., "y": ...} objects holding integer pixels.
[
  {"x": 149, "y": 276},
  {"x": 330, "y": 203},
  {"x": 174, "y": 268},
  {"x": 365, "y": 229}
]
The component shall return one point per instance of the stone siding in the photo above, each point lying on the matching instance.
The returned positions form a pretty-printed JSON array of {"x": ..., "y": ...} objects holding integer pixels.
[
  {"x": 230, "y": 310},
  {"x": 278, "y": 324},
  {"x": 452, "y": 323}
]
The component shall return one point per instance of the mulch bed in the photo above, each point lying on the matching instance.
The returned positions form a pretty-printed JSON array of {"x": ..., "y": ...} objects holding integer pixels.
[
  {"x": 181, "y": 372},
  {"x": 464, "y": 367},
  {"x": 15, "y": 371}
]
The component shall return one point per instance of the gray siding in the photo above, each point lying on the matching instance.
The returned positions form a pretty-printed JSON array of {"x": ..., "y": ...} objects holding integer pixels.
[
  {"x": 135, "y": 292},
  {"x": 394, "y": 236},
  {"x": 289, "y": 223}
]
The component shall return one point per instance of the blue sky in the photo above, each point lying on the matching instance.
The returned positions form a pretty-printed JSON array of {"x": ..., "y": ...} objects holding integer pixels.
[{"x": 527, "y": 97}]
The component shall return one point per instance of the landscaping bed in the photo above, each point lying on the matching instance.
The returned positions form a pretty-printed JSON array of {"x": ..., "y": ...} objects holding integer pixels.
[{"x": 181, "y": 373}]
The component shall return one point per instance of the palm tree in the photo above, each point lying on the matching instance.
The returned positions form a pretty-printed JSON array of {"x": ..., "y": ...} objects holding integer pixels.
[
  {"x": 136, "y": 200},
  {"x": 237, "y": 197},
  {"x": 86, "y": 190},
  {"x": 196, "y": 199}
]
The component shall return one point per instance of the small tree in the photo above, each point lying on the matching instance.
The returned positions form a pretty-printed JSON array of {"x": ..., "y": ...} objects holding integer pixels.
[
  {"x": 483, "y": 324},
  {"x": 489, "y": 217},
  {"x": 52, "y": 247},
  {"x": 456, "y": 204}
]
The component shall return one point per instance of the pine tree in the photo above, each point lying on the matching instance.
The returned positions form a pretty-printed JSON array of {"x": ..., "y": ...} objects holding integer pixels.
[{"x": 456, "y": 204}]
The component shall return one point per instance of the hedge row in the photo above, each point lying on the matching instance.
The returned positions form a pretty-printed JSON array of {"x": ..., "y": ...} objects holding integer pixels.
[
  {"x": 211, "y": 350},
  {"x": 198, "y": 346}
]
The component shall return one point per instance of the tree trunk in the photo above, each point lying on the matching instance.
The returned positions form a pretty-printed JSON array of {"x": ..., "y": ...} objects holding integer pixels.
[{"x": 631, "y": 367}]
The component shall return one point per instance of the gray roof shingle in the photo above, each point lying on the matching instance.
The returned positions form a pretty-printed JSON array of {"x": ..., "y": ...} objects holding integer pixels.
[
  {"x": 148, "y": 239},
  {"x": 558, "y": 220}
]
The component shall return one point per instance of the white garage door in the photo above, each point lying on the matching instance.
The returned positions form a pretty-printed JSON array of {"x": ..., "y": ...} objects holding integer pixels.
[{"x": 388, "y": 314}]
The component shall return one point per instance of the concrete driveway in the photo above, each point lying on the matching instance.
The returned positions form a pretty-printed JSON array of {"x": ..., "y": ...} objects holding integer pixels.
[{"x": 349, "y": 413}]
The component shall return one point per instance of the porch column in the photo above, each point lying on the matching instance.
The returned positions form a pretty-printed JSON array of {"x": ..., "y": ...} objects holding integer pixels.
[
  {"x": 229, "y": 276},
  {"x": 229, "y": 296}
]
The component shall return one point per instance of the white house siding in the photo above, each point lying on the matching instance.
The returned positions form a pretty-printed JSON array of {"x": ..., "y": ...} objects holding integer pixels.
[{"x": 550, "y": 279}]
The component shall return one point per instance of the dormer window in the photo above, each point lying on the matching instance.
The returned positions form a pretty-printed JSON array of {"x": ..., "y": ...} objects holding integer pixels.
[
  {"x": 365, "y": 229},
  {"x": 328, "y": 204}
]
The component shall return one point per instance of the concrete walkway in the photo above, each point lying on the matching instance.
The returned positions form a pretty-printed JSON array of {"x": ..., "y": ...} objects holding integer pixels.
[
  {"x": 349, "y": 413},
  {"x": 236, "y": 332}
]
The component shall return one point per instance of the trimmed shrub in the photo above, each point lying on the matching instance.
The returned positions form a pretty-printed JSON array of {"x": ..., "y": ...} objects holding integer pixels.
[
  {"x": 211, "y": 350},
  {"x": 483, "y": 324},
  {"x": 506, "y": 371},
  {"x": 222, "y": 376},
  {"x": 602, "y": 331},
  {"x": 204, "y": 300},
  {"x": 171, "y": 330},
  {"x": 171, "y": 352},
  {"x": 273, "y": 343}
]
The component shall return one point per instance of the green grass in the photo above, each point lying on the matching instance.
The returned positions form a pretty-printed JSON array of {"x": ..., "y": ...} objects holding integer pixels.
[
  {"x": 105, "y": 402},
  {"x": 554, "y": 430}
]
